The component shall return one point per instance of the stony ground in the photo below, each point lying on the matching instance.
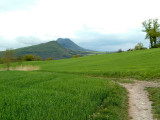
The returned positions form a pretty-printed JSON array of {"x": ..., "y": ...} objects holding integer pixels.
[{"x": 139, "y": 105}]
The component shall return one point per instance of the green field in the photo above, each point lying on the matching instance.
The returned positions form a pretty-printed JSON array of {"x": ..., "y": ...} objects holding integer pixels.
[
  {"x": 78, "y": 88},
  {"x": 155, "y": 97},
  {"x": 140, "y": 64},
  {"x": 55, "y": 96}
]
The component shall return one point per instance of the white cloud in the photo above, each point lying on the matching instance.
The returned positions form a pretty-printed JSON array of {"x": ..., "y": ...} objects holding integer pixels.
[{"x": 50, "y": 19}]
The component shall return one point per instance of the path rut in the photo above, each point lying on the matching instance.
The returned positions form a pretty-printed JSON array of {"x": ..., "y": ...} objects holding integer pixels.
[{"x": 139, "y": 104}]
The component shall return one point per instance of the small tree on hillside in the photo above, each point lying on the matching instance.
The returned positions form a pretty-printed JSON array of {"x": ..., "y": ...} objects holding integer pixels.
[
  {"x": 139, "y": 46},
  {"x": 8, "y": 57},
  {"x": 151, "y": 27}
]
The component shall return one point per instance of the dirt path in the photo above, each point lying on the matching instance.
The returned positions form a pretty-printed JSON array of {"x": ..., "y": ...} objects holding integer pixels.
[{"x": 139, "y": 104}]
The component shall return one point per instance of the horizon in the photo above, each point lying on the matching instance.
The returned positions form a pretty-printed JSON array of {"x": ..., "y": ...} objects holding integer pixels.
[{"x": 109, "y": 27}]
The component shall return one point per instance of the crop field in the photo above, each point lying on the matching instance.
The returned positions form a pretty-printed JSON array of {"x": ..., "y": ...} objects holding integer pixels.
[
  {"x": 78, "y": 88},
  {"x": 54, "y": 96},
  {"x": 140, "y": 64},
  {"x": 155, "y": 97}
]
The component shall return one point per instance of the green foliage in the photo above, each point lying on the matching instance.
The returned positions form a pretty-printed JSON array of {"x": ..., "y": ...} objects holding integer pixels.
[
  {"x": 28, "y": 58},
  {"x": 155, "y": 97},
  {"x": 139, "y": 46},
  {"x": 45, "y": 50},
  {"x": 1, "y": 60},
  {"x": 37, "y": 58},
  {"x": 119, "y": 51},
  {"x": 20, "y": 59},
  {"x": 152, "y": 31},
  {"x": 75, "y": 56},
  {"x": 53, "y": 96},
  {"x": 50, "y": 58},
  {"x": 8, "y": 57},
  {"x": 130, "y": 49},
  {"x": 32, "y": 58}
]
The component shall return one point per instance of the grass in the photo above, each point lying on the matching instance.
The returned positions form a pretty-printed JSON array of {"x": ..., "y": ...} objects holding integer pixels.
[
  {"x": 142, "y": 64},
  {"x": 55, "y": 93},
  {"x": 54, "y": 96},
  {"x": 155, "y": 97}
]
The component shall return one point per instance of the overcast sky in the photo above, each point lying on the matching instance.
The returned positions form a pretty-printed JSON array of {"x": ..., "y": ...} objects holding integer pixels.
[{"x": 104, "y": 25}]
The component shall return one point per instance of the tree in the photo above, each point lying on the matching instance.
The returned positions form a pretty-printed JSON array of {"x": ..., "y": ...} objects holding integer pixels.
[
  {"x": 20, "y": 59},
  {"x": 152, "y": 31},
  {"x": 8, "y": 57},
  {"x": 139, "y": 46}
]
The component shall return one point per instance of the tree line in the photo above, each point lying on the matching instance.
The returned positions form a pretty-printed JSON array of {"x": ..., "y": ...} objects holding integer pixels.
[{"x": 8, "y": 56}]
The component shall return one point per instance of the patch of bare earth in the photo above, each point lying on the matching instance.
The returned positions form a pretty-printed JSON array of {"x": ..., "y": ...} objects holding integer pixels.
[
  {"x": 23, "y": 68},
  {"x": 139, "y": 105}
]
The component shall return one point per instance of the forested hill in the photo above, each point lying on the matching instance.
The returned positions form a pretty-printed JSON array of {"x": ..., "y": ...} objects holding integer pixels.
[
  {"x": 67, "y": 43},
  {"x": 45, "y": 50}
]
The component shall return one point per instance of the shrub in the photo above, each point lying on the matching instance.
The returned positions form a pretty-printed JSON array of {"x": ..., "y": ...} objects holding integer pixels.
[
  {"x": 75, "y": 56},
  {"x": 28, "y": 58},
  {"x": 50, "y": 58},
  {"x": 130, "y": 49},
  {"x": 139, "y": 46},
  {"x": 32, "y": 58},
  {"x": 37, "y": 58},
  {"x": 119, "y": 51}
]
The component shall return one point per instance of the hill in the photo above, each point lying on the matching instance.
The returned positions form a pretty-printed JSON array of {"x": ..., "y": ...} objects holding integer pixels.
[
  {"x": 62, "y": 88},
  {"x": 140, "y": 64},
  {"x": 45, "y": 50},
  {"x": 67, "y": 43}
]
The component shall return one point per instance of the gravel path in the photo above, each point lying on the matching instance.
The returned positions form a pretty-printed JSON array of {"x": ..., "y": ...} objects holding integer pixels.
[{"x": 139, "y": 104}]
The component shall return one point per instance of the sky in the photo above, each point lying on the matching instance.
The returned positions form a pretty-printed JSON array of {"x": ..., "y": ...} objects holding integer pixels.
[{"x": 101, "y": 25}]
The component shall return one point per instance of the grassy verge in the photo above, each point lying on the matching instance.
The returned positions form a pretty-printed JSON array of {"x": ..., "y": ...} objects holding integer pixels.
[
  {"x": 113, "y": 107},
  {"x": 55, "y": 96},
  {"x": 154, "y": 95}
]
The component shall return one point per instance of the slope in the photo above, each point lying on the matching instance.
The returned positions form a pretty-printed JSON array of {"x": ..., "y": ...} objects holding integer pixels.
[
  {"x": 67, "y": 43},
  {"x": 45, "y": 50},
  {"x": 143, "y": 64}
]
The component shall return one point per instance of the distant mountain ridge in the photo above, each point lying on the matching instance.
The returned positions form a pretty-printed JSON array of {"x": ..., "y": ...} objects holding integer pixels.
[
  {"x": 67, "y": 43},
  {"x": 60, "y": 49},
  {"x": 45, "y": 50}
]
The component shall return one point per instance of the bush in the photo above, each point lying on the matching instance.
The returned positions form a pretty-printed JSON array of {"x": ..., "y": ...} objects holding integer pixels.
[
  {"x": 32, "y": 58},
  {"x": 75, "y": 56},
  {"x": 50, "y": 58},
  {"x": 139, "y": 46},
  {"x": 119, "y": 51},
  {"x": 130, "y": 49},
  {"x": 28, "y": 58},
  {"x": 37, "y": 58}
]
